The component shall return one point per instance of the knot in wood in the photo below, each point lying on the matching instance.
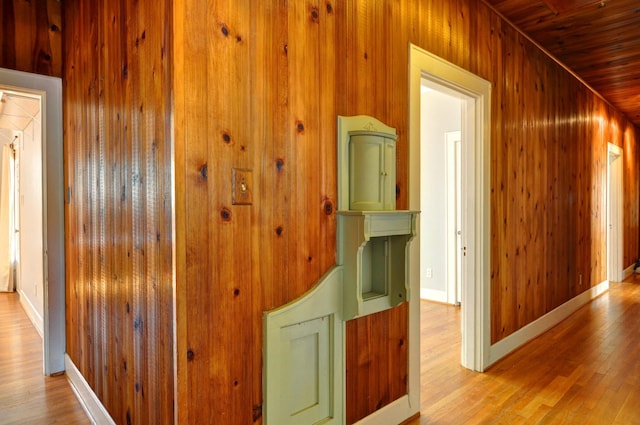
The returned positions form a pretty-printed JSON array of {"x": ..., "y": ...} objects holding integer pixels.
[{"x": 328, "y": 208}]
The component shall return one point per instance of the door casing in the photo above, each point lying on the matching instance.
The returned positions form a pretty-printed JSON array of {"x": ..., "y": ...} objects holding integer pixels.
[
  {"x": 615, "y": 268},
  {"x": 50, "y": 89}
]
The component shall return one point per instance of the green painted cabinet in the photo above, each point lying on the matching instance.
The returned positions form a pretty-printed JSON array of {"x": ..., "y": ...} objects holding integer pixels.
[
  {"x": 372, "y": 171},
  {"x": 374, "y": 252},
  {"x": 373, "y": 237}
]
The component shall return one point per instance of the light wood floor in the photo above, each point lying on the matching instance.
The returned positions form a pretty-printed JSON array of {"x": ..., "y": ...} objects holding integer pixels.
[
  {"x": 26, "y": 396},
  {"x": 585, "y": 370}
]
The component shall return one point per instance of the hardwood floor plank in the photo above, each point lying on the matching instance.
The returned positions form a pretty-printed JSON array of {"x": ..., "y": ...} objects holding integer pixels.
[
  {"x": 26, "y": 395},
  {"x": 582, "y": 371}
]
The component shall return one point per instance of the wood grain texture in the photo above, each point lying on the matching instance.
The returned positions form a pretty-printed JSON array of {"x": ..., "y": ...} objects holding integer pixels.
[
  {"x": 118, "y": 216},
  {"x": 31, "y": 36},
  {"x": 285, "y": 70},
  {"x": 598, "y": 41},
  {"x": 258, "y": 85}
]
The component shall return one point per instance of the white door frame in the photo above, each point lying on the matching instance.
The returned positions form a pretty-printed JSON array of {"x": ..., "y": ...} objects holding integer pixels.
[
  {"x": 476, "y": 317},
  {"x": 454, "y": 226},
  {"x": 615, "y": 268},
  {"x": 53, "y": 217},
  {"x": 476, "y": 339}
]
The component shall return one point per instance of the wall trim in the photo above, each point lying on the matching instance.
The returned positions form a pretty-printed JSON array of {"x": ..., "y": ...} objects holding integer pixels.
[
  {"x": 628, "y": 271},
  {"x": 96, "y": 412},
  {"x": 433, "y": 295},
  {"x": 392, "y": 413},
  {"x": 31, "y": 312},
  {"x": 544, "y": 323},
  {"x": 50, "y": 88}
]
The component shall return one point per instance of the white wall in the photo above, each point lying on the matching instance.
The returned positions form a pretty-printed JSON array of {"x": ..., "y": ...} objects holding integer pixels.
[
  {"x": 6, "y": 137},
  {"x": 440, "y": 113},
  {"x": 31, "y": 267}
]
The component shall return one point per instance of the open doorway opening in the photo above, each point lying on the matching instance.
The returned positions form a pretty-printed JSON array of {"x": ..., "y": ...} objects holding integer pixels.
[
  {"x": 475, "y": 96},
  {"x": 21, "y": 193},
  {"x": 441, "y": 193},
  {"x": 447, "y": 173},
  {"x": 41, "y": 149},
  {"x": 615, "y": 268}
]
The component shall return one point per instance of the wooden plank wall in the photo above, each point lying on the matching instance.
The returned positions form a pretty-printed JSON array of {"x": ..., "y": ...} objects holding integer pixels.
[
  {"x": 118, "y": 161},
  {"x": 259, "y": 85},
  {"x": 31, "y": 36}
]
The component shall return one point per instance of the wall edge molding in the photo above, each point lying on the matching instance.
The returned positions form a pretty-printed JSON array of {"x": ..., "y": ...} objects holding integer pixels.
[
  {"x": 544, "y": 323},
  {"x": 394, "y": 412},
  {"x": 31, "y": 312},
  {"x": 94, "y": 409},
  {"x": 628, "y": 271}
]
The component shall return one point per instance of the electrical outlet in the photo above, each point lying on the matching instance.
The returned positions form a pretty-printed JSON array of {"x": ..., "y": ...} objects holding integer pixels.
[
  {"x": 241, "y": 186},
  {"x": 429, "y": 273}
]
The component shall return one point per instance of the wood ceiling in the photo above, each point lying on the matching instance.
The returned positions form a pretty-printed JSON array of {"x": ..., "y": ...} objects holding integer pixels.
[{"x": 598, "y": 40}]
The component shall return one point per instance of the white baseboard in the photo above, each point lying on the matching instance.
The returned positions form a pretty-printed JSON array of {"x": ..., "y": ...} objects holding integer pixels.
[
  {"x": 88, "y": 399},
  {"x": 32, "y": 313},
  {"x": 629, "y": 271},
  {"x": 394, "y": 413},
  {"x": 433, "y": 295},
  {"x": 544, "y": 323}
]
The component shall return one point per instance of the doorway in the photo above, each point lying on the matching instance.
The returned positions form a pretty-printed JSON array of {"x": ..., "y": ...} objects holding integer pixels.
[
  {"x": 49, "y": 90},
  {"x": 475, "y": 131},
  {"x": 21, "y": 137},
  {"x": 441, "y": 112},
  {"x": 615, "y": 269}
]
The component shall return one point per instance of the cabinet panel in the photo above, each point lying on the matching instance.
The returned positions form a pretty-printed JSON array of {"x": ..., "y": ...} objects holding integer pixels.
[
  {"x": 372, "y": 176},
  {"x": 303, "y": 376},
  {"x": 366, "y": 180},
  {"x": 389, "y": 169}
]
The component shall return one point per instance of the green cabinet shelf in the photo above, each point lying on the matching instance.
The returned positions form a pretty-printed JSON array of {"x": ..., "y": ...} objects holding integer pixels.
[{"x": 374, "y": 249}]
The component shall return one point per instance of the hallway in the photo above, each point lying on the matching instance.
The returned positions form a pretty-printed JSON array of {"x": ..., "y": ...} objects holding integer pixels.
[
  {"x": 26, "y": 396},
  {"x": 586, "y": 370}
]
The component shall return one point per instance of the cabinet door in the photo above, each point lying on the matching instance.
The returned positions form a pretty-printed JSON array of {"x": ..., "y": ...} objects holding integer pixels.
[
  {"x": 367, "y": 175},
  {"x": 389, "y": 182}
]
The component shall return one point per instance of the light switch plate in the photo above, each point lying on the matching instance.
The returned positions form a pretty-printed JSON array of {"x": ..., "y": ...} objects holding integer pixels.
[{"x": 241, "y": 186}]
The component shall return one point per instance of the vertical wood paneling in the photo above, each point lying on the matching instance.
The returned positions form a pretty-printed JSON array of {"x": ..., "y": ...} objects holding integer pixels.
[
  {"x": 229, "y": 147},
  {"x": 118, "y": 216},
  {"x": 305, "y": 63},
  {"x": 258, "y": 85},
  {"x": 329, "y": 63},
  {"x": 31, "y": 36},
  {"x": 272, "y": 165},
  {"x": 631, "y": 190}
]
